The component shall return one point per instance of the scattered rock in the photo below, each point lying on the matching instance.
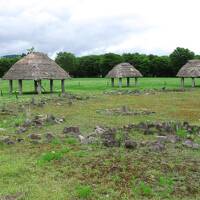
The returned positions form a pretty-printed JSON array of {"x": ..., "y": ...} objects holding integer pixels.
[
  {"x": 34, "y": 136},
  {"x": 129, "y": 144},
  {"x": 99, "y": 130},
  {"x": 124, "y": 110},
  {"x": 157, "y": 146},
  {"x": 173, "y": 138},
  {"x": 6, "y": 140},
  {"x": 49, "y": 137},
  {"x": 72, "y": 131},
  {"x": 191, "y": 144},
  {"x": 21, "y": 130}
]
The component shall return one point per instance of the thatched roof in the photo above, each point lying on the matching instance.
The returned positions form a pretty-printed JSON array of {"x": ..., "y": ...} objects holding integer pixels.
[
  {"x": 123, "y": 70},
  {"x": 35, "y": 66},
  {"x": 190, "y": 69}
]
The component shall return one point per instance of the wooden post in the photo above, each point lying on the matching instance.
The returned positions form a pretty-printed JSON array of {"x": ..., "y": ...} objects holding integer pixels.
[
  {"x": 63, "y": 85},
  {"x": 120, "y": 82},
  {"x": 39, "y": 87},
  {"x": 10, "y": 86},
  {"x": 35, "y": 86},
  {"x": 128, "y": 81},
  {"x": 182, "y": 82},
  {"x": 193, "y": 82},
  {"x": 136, "y": 81},
  {"x": 113, "y": 82},
  {"x": 20, "y": 86},
  {"x": 51, "y": 86}
]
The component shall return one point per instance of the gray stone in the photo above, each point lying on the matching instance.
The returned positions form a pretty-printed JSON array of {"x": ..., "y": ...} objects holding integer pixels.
[
  {"x": 6, "y": 140},
  {"x": 72, "y": 129},
  {"x": 49, "y": 136},
  {"x": 157, "y": 146},
  {"x": 99, "y": 130},
  {"x": 21, "y": 130},
  {"x": 34, "y": 136},
  {"x": 191, "y": 144}
]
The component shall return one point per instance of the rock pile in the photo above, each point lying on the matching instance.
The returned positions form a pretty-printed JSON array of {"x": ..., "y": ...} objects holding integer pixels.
[
  {"x": 142, "y": 92},
  {"x": 124, "y": 110},
  {"x": 39, "y": 121}
]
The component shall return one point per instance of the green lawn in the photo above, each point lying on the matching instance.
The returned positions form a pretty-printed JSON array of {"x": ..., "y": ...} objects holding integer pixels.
[{"x": 65, "y": 169}]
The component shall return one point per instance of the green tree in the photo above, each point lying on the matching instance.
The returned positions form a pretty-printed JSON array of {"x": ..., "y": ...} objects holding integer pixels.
[
  {"x": 179, "y": 57},
  {"x": 108, "y": 61},
  {"x": 6, "y": 63},
  {"x": 67, "y": 61},
  {"x": 88, "y": 66}
]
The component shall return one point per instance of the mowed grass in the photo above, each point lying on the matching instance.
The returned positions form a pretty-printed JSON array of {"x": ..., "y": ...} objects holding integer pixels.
[{"x": 64, "y": 169}]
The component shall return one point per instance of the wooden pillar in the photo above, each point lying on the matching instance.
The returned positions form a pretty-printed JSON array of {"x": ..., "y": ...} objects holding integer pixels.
[
  {"x": 136, "y": 81},
  {"x": 39, "y": 87},
  {"x": 113, "y": 82},
  {"x": 182, "y": 82},
  {"x": 20, "y": 86},
  {"x": 10, "y": 86},
  {"x": 120, "y": 82},
  {"x": 193, "y": 82},
  {"x": 51, "y": 86},
  {"x": 128, "y": 81},
  {"x": 35, "y": 86},
  {"x": 63, "y": 85}
]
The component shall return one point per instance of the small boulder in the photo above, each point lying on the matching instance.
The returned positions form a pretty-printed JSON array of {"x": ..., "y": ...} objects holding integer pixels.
[
  {"x": 6, "y": 140},
  {"x": 72, "y": 129},
  {"x": 49, "y": 136},
  {"x": 111, "y": 143},
  {"x": 129, "y": 144},
  {"x": 21, "y": 130},
  {"x": 34, "y": 136},
  {"x": 99, "y": 130},
  {"x": 191, "y": 144},
  {"x": 157, "y": 146}
]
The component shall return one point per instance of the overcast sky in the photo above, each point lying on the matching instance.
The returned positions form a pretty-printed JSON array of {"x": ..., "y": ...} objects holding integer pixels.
[{"x": 98, "y": 26}]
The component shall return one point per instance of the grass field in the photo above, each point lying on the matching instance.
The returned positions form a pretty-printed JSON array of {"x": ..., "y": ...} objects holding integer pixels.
[{"x": 65, "y": 169}]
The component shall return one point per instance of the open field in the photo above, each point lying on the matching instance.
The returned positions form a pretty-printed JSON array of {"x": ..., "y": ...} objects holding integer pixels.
[{"x": 64, "y": 168}]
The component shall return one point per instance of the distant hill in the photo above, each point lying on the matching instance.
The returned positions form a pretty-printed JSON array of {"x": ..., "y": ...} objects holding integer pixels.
[{"x": 11, "y": 56}]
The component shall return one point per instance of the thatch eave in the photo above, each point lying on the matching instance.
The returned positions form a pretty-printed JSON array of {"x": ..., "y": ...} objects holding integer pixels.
[{"x": 123, "y": 70}]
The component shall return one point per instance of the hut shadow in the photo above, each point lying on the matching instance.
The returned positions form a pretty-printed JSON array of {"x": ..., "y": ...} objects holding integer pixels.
[{"x": 46, "y": 92}]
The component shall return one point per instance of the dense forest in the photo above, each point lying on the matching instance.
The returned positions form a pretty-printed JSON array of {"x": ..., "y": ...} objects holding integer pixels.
[{"x": 99, "y": 65}]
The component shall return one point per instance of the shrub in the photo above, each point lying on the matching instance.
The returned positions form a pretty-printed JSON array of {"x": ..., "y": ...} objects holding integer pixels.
[
  {"x": 83, "y": 191},
  {"x": 53, "y": 155}
]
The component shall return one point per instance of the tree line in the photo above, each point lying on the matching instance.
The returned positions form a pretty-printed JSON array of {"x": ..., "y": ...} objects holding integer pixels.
[{"x": 99, "y": 65}]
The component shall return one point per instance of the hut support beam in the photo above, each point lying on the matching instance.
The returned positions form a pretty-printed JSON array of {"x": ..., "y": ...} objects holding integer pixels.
[
  {"x": 120, "y": 82},
  {"x": 10, "y": 86},
  {"x": 51, "y": 86},
  {"x": 63, "y": 86},
  {"x": 182, "y": 82},
  {"x": 193, "y": 82},
  {"x": 39, "y": 87},
  {"x": 128, "y": 81},
  {"x": 20, "y": 86},
  {"x": 136, "y": 81},
  {"x": 35, "y": 86},
  {"x": 112, "y": 82}
]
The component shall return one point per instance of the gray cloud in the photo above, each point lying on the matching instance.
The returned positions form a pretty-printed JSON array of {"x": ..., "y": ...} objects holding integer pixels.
[{"x": 54, "y": 31}]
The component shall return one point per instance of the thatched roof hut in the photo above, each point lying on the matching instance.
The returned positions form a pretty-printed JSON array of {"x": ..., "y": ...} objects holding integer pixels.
[
  {"x": 190, "y": 70},
  {"x": 36, "y": 66},
  {"x": 124, "y": 70}
]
